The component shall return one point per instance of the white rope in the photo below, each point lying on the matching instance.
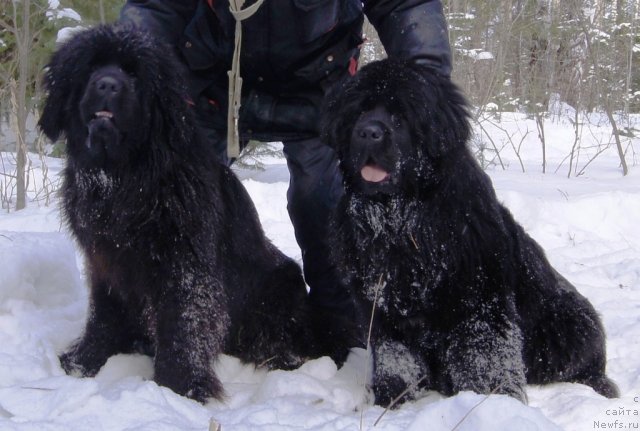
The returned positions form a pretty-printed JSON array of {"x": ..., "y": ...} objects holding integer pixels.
[{"x": 235, "y": 80}]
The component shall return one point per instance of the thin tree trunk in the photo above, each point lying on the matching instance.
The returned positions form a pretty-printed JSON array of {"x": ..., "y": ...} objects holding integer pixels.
[
  {"x": 22, "y": 40},
  {"x": 606, "y": 103},
  {"x": 539, "y": 116},
  {"x": 616, "y": 135},
  {"x": 632, "y": 38},
  {"x": 102, "y": 16}
]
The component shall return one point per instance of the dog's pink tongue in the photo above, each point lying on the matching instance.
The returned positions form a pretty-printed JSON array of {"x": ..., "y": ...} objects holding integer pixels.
[{"x": 374, "y": 173}]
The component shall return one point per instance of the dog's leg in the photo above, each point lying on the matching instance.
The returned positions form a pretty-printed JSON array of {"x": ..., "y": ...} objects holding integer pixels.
[
  {"x": 486, "y": 359},
  {"x": 564, "y": 337},
  {"x": 565, "y": 340},
  {"x": 396, "y": 369},
  {"x": 109, "y": 330},
  {"x": 192, "y": 323},
  {"x": 274, "y": 329}
]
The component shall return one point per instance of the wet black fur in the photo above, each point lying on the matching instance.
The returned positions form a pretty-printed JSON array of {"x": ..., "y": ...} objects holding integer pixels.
[
  {"x": 466, "y": 300},
  {"x": 178, "y": 263}
]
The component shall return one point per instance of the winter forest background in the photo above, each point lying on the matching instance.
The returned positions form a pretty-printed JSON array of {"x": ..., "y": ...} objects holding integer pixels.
[{"x": 526, "y": 56}]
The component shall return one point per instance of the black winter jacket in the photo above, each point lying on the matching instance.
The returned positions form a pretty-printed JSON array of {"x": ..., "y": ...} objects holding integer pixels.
[{"x": 292, "y": 52}]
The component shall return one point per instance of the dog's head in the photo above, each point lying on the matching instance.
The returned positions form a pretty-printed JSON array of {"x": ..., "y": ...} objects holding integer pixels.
[
  {"x": 111, "y": 91},
  {"x": 393, "y": 125},
  {"x": 109, "y": 113}
]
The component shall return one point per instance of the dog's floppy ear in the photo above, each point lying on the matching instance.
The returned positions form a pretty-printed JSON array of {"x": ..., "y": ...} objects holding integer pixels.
[
  {"x": 453, "y": 109},
  {"x": 439, "y": 111},
  {"x": 60, "y": 79},
  {"x": 64, "y": 78},
  {"x": 337, "y": 110},
  {"x": 160, "y": 82}
]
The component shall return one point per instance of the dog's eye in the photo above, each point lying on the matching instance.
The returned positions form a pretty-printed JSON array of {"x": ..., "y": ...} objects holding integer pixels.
[
  {"x": 131, "y": 73},
  {"x": 396, "y": 121},
  {"x": 128, "y": 69}
]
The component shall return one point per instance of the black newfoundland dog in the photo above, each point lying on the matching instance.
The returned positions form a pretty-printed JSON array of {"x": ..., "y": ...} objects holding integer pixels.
[
  {"x": 464, "y": 298},
  {"x": 179, "y": 265}
]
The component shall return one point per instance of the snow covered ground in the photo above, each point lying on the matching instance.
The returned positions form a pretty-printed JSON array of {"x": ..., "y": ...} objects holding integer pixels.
[{"x": 588, "y": 225}]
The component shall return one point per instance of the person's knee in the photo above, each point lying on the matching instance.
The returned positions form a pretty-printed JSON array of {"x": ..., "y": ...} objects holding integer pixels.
[{"x": 315, "y": 182}]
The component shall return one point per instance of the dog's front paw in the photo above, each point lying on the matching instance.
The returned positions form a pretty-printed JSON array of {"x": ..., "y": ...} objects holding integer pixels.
[
  {"x": 514, "y": 390},
  {"x": 79, "y": 363},
  {"x": 204, "y": 389},
  {"x": 199, "y": 385}
]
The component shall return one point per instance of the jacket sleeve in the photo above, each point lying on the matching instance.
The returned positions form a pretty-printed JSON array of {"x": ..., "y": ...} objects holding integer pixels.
[
  {"x": 163, "y": 18},
  {"x": 412, "y": 29}
]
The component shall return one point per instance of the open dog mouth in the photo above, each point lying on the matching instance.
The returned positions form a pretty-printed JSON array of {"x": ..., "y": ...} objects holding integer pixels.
[{"x": 374, "y": 173}]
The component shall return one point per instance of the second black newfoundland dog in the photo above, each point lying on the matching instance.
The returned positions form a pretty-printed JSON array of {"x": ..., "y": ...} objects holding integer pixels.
[
  {"x": 179, "y": 266},
  {"x": 464, "y": 298}
]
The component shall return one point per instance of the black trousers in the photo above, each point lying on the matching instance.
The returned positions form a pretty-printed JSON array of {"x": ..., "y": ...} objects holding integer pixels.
[{"x": 315, "y": 187}]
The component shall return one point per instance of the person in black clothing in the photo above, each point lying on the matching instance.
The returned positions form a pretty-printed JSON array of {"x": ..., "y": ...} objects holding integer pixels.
[{"x": 293, "y": 52}]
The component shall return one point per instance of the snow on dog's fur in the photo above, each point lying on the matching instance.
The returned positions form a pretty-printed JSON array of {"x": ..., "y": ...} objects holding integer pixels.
[
  {"x": 464, "y": 298},
  {"x": 179, "y": 265}
]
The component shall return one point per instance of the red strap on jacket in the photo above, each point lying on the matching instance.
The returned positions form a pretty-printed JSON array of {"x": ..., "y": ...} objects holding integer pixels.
[{"x": 353, "y": 66}]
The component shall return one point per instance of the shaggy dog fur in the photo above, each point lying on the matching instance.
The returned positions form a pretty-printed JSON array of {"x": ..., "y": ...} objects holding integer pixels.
[
  {"x": 464, "y": 298},
  {"x": 179, "y": 265}
]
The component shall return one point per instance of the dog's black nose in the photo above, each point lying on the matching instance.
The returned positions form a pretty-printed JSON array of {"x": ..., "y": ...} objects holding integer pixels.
[
  {"x": 371, "y": 132},
  {"x": 108, "y": 86}
]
